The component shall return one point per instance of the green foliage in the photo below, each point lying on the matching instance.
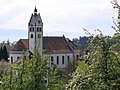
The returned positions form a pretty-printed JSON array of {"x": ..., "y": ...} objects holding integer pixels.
[
  {"x": 1, "y": 53},
  {"x": 55, "y": 78},
  {"x": 4, "y": 66},
  {"x": 31, "y": 73},
  {"x": 28, "y": 75},
  {"x": 116, "y": 36},
  {"x": 4, "y": 55},
  {"x": 100, "y": 69}
]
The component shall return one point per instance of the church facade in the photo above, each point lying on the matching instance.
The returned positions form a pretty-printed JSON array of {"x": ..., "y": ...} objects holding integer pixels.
[{"x": 59, "y": 50}]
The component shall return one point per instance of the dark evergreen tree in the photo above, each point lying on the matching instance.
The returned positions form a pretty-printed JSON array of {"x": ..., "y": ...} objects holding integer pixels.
[
  {"x": 5, "y": 54},
  {"x": 8, "y": 45},
  {"x": 0, "y": 54}
]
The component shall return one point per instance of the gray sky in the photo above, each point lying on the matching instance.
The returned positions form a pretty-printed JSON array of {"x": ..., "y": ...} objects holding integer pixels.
[{"x": 67, "y": 17}]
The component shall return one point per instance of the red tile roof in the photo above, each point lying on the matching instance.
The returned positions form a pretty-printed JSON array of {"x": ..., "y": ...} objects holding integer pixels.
[
  {"x": 51, "y": 45},
  {"x": 73, "y": 45},
  {"x": 55, "y": 45},
  {"x": 21, "y": 45}
]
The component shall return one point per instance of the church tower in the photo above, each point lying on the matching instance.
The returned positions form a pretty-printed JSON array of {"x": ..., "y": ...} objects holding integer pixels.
[{"x": 35, "y": 32}]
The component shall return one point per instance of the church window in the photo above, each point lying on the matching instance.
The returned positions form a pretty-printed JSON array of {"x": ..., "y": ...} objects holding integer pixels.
[
  {"x": 62, "y": 59},
  {"x": 31, "y": 35},
  {"x": 38, "y": 35},
  {"x": 11, "y": 59},
  {"x": 45, "y": 81},
  {"x": 52, "y": 60},
  {"x": 18, "y": 58},
  {"x": 57, "y": 60},
  {"x": 77, "y": 57}
]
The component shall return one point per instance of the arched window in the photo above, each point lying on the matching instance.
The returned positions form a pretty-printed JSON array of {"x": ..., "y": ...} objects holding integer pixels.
[
  {"x": 57, "y": 60},
  {"x": 31, "y": 35},
  {"x": 38, "y": 35},
  {"x": 18, "y": 58},
  {"x": 52, "y": 60},
  {"x": 77, "y": 57},
  {"x": 33, "y": 29},
  {"x": 40, "y": 29},
  {"x": 37, "y": 29},
  {"x": 11, "y": 59},
  {"x": 62, "y": 59}
]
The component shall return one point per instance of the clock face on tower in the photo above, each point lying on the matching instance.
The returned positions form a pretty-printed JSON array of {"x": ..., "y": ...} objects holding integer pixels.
[{"x": 39, "y": 21}]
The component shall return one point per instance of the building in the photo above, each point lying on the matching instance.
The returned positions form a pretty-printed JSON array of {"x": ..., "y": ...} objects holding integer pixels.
[{"x": 59, "y": 50}]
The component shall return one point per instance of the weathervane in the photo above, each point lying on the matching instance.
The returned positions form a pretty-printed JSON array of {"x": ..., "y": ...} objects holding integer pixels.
[{"x": 35, "y": 2}]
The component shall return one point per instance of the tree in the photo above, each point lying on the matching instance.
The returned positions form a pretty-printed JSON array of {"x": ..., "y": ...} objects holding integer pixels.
[
  {"x": 8, "y": 45},
  {"x": 3, "y": 68},
  {"x": 100, "y": 69},
  {"x": 117, "y": 22},
  {"x": 28, "y": 75},
  {"x": 55, "y": 78},
  {"x": 5, "y": 54},
  {"x": 0, "y": 53}
]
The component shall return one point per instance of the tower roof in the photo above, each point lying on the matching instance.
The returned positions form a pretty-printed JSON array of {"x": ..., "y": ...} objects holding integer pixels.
[{"x": 35, "y": 18}]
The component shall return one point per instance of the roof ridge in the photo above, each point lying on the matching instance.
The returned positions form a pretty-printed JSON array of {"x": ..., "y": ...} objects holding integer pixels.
[{"x": 52, "y": 36}]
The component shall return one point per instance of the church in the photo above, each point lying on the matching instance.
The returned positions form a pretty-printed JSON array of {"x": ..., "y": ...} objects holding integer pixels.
[{"x": 59, "y": 50}]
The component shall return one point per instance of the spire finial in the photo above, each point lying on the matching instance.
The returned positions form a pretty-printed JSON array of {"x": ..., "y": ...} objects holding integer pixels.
[{"x": 35, "y": 10}]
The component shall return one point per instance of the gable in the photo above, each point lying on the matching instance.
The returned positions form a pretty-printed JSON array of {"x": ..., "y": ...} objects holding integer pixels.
[{"x": 21, "y": 45}]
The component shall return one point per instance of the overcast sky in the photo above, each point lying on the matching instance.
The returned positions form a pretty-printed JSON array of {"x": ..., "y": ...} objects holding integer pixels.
[{"x": 67, "y": 17}]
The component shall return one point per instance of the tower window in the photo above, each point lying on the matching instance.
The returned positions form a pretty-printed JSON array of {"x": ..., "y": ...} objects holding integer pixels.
[
  {"x": 33, "y": 29},
  {"x": 30, "y": 28},
  {"x": 38, "y": 35},
  {"x": 57, "y": 60},
  {"x": 39, "y": 29},
  {"x": 62, "y": 59},
  {"x": 31, "y": 35}
]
